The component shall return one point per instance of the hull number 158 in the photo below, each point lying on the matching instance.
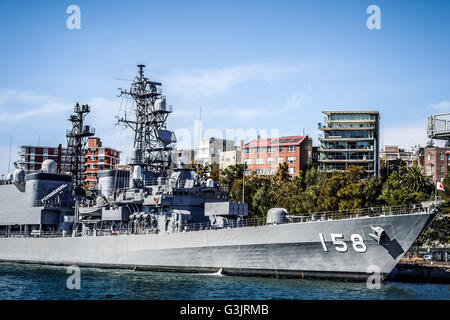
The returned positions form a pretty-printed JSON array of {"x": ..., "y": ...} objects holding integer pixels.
[{"x": 340, "y": 245}]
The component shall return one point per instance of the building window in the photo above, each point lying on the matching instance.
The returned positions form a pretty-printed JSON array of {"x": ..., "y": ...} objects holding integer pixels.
[
  {"x": 442, "y": 156},
  {"x": 280, "y": 149},
  {"x": 291, "y": 148},
  {"x": 270, "y": 160},
  {"x": 269, "y": 171},
  {"x": 291, "y": 170},
  {"x": 291, "y": 159},
  {"x": 259, "y": 160},
  {"x": 269, "y": 150},
  {"x": 259, "y": 171},
  {"x": 248, "y": 161},
  {"x": 442, "y": 169},
  {"x": 281, "y": 160},
  {"x": 259, "y": 150},
  {"x": 247, "y": 150}
]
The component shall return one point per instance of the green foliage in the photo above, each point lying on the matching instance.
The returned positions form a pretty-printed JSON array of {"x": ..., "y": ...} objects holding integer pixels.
[
  {"x": 202, "y": 171},
  {"x": 437, "y": 233},
  {"x": 416, "y": 181}
]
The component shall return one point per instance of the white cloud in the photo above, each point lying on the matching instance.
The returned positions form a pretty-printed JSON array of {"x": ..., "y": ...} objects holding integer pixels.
[
  {"x": 405, "y": 137},
  {"x": 295, "y": 101},
  {"x": 207, "y": 82},
  {"x": 17, "y": 105},
  {"x": 443, "y": 106}
]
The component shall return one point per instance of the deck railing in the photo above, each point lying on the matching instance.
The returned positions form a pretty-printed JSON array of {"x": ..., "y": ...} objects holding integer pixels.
[{"x": 240, "y": 223}]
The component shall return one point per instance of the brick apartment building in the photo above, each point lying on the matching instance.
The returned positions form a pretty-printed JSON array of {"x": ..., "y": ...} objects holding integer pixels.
[
  {"x": 31, "y": 157},
  {"x": 264, "y": 155},
  {"x": 436, "y": 162},
  {"x": 98, "y": 158}
]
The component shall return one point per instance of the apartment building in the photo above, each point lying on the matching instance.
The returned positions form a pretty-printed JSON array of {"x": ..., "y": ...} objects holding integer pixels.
[
  {"x": 265, "y": 155},
  {"x": 98, "y": 158},
  {"x": 30, "y": 157},
  {"x": 349, "y": 138},
  {"x": 436, "y": 162},
  {"x": 230, "y": 158},
  {"x": 208, "y": 150}
]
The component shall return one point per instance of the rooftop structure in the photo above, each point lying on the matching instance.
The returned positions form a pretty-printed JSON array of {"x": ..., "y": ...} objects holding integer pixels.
[
  {"x": 391, "y": 153},
  {"x": 349, "y": 138}
]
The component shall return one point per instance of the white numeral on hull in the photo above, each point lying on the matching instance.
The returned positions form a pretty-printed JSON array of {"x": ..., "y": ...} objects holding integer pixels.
[{"x": 340, "y": 245}]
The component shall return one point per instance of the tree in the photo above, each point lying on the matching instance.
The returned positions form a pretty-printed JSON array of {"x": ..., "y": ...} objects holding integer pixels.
[
  {"x": 416, "y": 181},
  {"x": 328, "y": 199},
  {"x": 350, "y": 193},
  {"x": 372, "y": 188},
  {"x": 265, "y": 197},
  {"x": 282, "y": 175},
  {"x": 201, "y": 170},
  {"x": 396, "y": 193},
  {"x": 214, "y": 172},
  {"x": 389, "y": 166},
  {"x": 229, "y": 175}
]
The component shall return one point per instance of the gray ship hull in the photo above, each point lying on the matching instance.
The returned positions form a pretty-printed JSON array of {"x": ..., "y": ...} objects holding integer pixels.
[{"x": 285, "y": 250}]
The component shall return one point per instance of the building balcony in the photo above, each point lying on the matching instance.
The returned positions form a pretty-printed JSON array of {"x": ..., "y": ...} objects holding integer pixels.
[
  {"x": 323, "y": 128},
  {"x": 339, "y": 138},
  {"x": 346, "y": 160},
  {"x": 326, "y": 120},
  {"x": 347, "y": 150}
]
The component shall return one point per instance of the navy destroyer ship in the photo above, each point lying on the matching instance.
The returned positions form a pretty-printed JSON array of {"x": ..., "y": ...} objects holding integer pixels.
[{"x": 157, "y": 214}]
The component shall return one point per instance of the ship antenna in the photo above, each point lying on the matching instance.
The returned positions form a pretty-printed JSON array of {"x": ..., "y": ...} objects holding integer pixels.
[
  {"x": 76, "y": 141},
  {"x": 151, "y": 151}
]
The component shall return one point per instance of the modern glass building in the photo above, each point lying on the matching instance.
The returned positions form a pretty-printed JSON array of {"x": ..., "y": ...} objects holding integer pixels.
[{"x": 349, "y": 138}]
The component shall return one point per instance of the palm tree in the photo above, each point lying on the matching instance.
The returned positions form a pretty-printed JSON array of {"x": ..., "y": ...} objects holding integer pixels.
[{"x": 417, "y": 181}]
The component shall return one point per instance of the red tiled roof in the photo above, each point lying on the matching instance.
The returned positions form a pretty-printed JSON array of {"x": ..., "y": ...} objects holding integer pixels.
[{"x": 282, "y": 141}]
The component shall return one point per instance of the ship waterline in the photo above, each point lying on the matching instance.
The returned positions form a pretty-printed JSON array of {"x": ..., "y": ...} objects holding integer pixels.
[{"x": 284, "y": 250}]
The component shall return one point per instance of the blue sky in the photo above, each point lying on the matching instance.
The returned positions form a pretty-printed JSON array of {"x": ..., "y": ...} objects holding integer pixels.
[{"x": 247, "y": 64}]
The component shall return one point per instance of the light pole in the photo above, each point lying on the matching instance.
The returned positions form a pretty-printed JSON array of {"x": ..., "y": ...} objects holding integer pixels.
[{"x": 243, "y": 182}]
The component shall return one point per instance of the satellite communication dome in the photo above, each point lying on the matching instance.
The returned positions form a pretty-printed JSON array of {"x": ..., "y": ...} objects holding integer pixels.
[
  {"x": 49, "y": 166},
  {"x": 19, "y": 175},
  {"x": 210, "y": 183}
]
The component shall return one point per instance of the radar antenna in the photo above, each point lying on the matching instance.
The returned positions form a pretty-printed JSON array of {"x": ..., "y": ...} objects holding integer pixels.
[{"x": 152, "y": 142}]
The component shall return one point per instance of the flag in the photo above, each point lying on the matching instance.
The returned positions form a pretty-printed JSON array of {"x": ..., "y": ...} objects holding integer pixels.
[{"x": 439, "y": 186}]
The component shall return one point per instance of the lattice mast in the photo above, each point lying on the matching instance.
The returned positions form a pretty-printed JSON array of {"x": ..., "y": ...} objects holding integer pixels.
[
  {"x": 151, "y": 152},
  {"x": 76, "y": 141}
]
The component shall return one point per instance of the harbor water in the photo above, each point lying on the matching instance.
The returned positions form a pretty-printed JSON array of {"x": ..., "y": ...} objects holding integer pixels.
[{"x": 31, "y": 282}]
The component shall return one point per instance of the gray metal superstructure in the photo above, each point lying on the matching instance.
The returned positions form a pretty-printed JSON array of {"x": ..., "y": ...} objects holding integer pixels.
[{"x": 158, "y": 215}]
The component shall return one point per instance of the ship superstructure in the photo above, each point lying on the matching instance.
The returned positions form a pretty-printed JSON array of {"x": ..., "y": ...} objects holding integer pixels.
[{"x": 158, "y": 215}]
